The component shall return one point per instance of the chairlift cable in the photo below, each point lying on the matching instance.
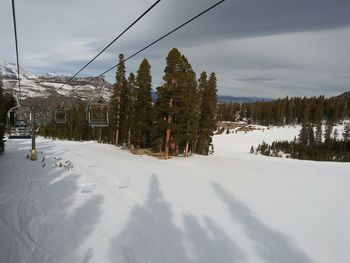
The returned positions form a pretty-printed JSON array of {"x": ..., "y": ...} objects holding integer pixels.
[
  {"x": 115, "y": 39},
  {"x": 156, "y": 41},
  {"x": 16, "y": 41},
  {"x": 161, "y": 38}
]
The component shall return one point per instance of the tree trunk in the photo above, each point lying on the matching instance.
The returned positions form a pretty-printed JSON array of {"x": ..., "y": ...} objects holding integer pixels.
[
  {"x": 117, "y": 130},
  {"x": 100, "y": 136},
  {"x": 186, "y": 149},
  {"x": 129, "y": 138},
  {"x": 167, "y": 134},
  {"x": 187, "y": 136}
]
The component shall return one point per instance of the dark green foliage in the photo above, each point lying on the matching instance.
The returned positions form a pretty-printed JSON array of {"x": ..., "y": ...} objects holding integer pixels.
[
  {"x": 309, "y": 148},
  {"x": 169, "y": 99},
  {"x": 207, "y": 119},
  {"x": 177, "y": 105},
  {"x": 76, "y": 127},
  {"x": 181, "y": 109},
  {"x": 288, "y": 111},
  {"x": 188, "y": 117},
  {"x": 119, "y": 104},
  {"x": 328, "y": 131},
  {"x": 143, "y": 121},
  {"x": 346, "y": 133},
  {"x": 333, "y": 150}
]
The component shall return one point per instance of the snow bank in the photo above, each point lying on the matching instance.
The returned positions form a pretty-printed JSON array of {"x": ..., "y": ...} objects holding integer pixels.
[{"x": 114, "y": 206}]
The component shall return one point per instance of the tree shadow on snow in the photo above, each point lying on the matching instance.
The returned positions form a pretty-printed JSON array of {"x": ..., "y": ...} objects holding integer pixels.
[
  {"x": 270, "y": 245},
  {"x": 152, "y": 236}
]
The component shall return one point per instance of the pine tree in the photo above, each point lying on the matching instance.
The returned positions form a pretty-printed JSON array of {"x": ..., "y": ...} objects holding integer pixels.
[
  {"x": 119, "y": 90},
  {"x": 346, "y": 132},
  {"x": 328, "y": 131},
  {"x": 2, "y": 117},
  {"x": 318, "y": 133},
  {"x": 188, "y": 117},
  {"x": 169, "y": 98},
  {"x": 310, "y": 134},
  {"x": 131, "y": 86},
  {"x": 204, "y": 107},
  {"x": 335, "y": 134},
  {"x": 207, "y": 119},
  {"x": 143, "y": 107}
]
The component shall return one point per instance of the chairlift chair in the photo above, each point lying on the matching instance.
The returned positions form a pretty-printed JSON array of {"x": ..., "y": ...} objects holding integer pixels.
[
  {"x": 60, "y": 116},
  {"x": 18, "y": 120},
  {"x": 97, "y": 114}
]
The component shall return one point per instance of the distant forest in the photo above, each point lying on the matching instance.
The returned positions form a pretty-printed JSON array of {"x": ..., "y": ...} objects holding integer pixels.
[
  {"x": 287, "y": 111},
  {"x": 318, "y": 139}
]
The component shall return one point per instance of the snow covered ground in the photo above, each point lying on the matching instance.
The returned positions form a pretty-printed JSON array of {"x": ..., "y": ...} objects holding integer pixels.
[{"x": 113, "y": 206}]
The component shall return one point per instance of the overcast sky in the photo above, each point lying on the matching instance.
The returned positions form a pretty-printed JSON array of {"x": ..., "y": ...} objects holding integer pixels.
[{"x": 268, "y": 48}]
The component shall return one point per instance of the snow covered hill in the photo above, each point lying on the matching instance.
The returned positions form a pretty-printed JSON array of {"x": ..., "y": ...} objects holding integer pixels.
[
  {"x": 33, "y": 86},
  {"x": 88, "y": 202},
  {"x": 9, "y": 71}
]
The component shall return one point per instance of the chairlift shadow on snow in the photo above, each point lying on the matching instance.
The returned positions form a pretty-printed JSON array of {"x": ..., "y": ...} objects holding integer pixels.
[
  {"x": 152, "y": 236},
  {"x": 46, "y": 229},
  {"x": 269, "y": 244}
]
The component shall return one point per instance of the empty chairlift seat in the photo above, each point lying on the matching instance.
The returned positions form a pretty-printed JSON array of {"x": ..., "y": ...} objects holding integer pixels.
[
  {"x": 60, "y": 116},
  {"x": 97, "y": 114},
  {"x": 19, "y": 123}
]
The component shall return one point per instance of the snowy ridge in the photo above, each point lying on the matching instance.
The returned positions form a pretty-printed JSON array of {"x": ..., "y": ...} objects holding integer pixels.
[
  {"x": 9, "y": 71},
  {"x": 45, "y": 85}
]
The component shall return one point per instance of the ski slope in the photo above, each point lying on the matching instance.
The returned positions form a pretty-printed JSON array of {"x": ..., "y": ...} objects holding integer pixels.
[{"x": 112, "y": 206}]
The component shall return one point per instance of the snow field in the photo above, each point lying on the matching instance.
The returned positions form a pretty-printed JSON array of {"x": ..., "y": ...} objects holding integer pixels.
[{"x": 113, "y": 206}]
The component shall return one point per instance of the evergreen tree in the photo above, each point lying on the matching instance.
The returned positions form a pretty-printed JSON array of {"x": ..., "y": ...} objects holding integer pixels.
[
  {"x": 169, "y": 99},
  {"x": 310, "y": 134},
  {"x": 131, "y": 86},
  {"x": 143, "y": 108},
  {"x": 204, "y": 107},
  {"x": 318, "y": 133},
  {"x": 189, "y": 113},
  {"x": 117, "y": 105},
  {"x": 2, "y": 117},
  {"x": 328, "y": 131},
  {"x": 346, "y": 132},
  {"x": 207, "y": 119},
  {"x": 335, "y": 134}
]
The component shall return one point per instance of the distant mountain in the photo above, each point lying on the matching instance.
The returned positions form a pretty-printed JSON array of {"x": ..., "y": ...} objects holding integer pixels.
[
  {"x": 9, "y": 71},
  {"x": 345, "y": 95},
  {"x": 50, "y": 84},
  {"x": 229, "y": 99}
]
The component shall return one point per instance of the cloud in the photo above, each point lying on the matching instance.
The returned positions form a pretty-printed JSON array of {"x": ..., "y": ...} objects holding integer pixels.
[{"x": 270, "y": 48}]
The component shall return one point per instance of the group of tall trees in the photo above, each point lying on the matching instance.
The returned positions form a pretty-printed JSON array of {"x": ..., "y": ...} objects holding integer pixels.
[
  {"x": 334, "y": 147},
  {"x": 318, "y": 139},
  {"x": 180, "y": 120},
  {"x": 287, "y": 111}
]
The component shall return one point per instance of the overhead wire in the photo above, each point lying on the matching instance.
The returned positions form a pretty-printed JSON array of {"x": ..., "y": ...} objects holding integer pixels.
[
  {"x": 16, "y": 42},
  {"x": 113, "y": 41},
  {"x": 160, "y": 38}
]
